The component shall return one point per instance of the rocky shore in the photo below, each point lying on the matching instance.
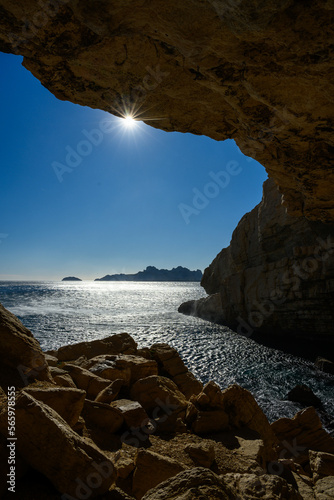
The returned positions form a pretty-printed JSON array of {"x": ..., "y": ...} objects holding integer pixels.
[
  {"x": 104, "y": 419},
  {"x": 270, "y": 282}
]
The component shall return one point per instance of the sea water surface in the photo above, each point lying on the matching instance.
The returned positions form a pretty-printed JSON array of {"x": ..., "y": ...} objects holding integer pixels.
[{"x": 60, "y": 313}]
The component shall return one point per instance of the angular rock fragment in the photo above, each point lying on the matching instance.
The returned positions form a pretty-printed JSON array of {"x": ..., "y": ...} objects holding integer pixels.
[
  {"x": 20, "y": 350},
  {"x": 67, "y": 402},
  {"x": 152, "y": 469},
  {"x": 116, "y": 344},
  {"x": 49, "y": 445},
  {"x": 86, "y": 380}
]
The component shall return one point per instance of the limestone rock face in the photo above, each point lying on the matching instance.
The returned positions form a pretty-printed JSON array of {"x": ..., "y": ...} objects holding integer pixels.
[
  {"x": 301, "y": 433},
  {"x": 20, "y": 350},
  {"x": 194, "y": 484},
  {"x": 116, "y": 344},
  {"x": 46, "y": 442},
  {"x": 277, "y": 275},
  {"x": 67, "y": 402},
  {"x": 152, "y": 469},
  {"x": 256, "y": 71}
]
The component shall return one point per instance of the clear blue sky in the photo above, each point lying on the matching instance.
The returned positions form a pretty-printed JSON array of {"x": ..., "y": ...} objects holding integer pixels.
[{"x": 127, "y": 204}]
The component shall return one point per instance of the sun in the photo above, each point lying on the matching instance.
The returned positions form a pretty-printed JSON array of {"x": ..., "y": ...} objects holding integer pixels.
[{"x": 129, "y": 122}]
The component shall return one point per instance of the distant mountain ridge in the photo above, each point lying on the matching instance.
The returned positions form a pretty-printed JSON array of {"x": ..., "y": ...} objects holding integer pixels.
[
  {"x": 71, "y": 278},
  {"x": 151, "y": 273}
]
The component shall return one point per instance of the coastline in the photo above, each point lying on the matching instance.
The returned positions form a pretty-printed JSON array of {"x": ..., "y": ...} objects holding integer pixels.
[{"x": 141, "y": 421}]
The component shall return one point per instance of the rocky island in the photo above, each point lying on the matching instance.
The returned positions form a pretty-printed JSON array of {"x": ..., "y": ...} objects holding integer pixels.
[
  {"x": 151, "y": 273},
  {"x": 71, "y": 278}
]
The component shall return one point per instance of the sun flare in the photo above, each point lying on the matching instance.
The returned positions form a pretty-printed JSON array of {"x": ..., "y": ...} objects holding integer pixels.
[{"x": 129, "y": 122}]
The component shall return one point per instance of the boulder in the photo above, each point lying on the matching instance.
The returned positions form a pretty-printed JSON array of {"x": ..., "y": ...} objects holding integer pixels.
[
  {"x": 45, "y": 441},
  {"x": 111, "y": 392},
  {"x": 304, "y": 395},
  {"x": 324, "y": 488},
  {"x": 20, "y": 350},
  {"x": 325, "y": 365},
  {"x": 188, "y": 384},
  {"x": 86, "y": 380},
  {"x": 67, "y": 402},
  {"x": 64, "y": 381},
  {"x": 124, "y": 463},
  {"x": 301, "y": 433},
  {"x": 243, "y": 411},
  {"x": 152, "y": 469},
  {"x": 192, "y": 484},
  {"x": 208, "y": 422},
  {"x": 133, "y": 413},
  {"x": 116, "y": 344},
  {"x": 160, "y": 397},
  {"x": 102, "y": 416},
  {"x": 152, "y": 391},
  {"x": 266, "y": 487},
  {"x": 171, "y": 364},
  {"x": 211, "y": 397},
  {"x": 202, "y": 454},
  {"x": 51, "y": 360},
  {"x": 322, "y": 464},
  {"x": 127, "y": 367}
]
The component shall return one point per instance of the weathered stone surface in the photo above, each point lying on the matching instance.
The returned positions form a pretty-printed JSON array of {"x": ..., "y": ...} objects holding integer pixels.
[
  {"x": 154, "y": 390},
  {"x": 277, "y": 275},
  {"x": 64, "y": 381},
  {"x": 45, "y": 441},
  {"x": 102, "y": 416},
  {"x": 302, "y": 433},
  {"x": 248, "y": 66},
  {"x": 51, "y": 360},
  {"x": 322, "y": 464},
  {"x": 116, "y": 344},
  {"x": 162, "y": 400},
  {"x": 202, "y": 454},
  {"x": 126, "y": 367},
  {"x": 67, "y": 402},
  {"x": 210, "y": 421},
  {"x": 110, "y": 393},
  {"x": 324, "y": 488},
  {"x": 243, "y": 411},
  {"x": 171, "y": 364},
  {"x": 325, "y": 365},
  {"x": 86, "y": 380},
  {"x": 267, "y": 487},
  {"x": 152, "y": 469},
  {"x": 209, "y": 308},
  {"x": 192, "y": 484},
  {"x": 20, "y": 350},
  {"x": 132, "y": 412}
]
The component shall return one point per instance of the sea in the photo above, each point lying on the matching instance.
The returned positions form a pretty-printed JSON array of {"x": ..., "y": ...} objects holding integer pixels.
[{"x": 60, "y": 313}]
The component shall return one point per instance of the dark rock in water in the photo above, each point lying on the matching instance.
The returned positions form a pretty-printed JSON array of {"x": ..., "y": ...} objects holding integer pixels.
[
  {"x": 208, "y": 308},
  {"x": 151, "y": 273},
  {"x": 71, "y": 278},
  {"x": 304, "y": 395},
  {"x": 325, "y": 365}
]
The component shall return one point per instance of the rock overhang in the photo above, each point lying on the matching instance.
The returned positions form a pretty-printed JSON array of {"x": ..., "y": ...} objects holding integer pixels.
[{"x": 259, "y": 72}]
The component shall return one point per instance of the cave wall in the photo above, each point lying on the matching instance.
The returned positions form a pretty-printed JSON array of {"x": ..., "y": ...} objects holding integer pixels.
[
  {"x": 257, "y": 71},
  {"x": 276, "y": 276}
]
